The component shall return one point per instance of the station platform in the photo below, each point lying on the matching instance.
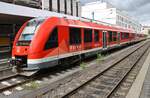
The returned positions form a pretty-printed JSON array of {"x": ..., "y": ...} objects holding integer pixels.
[
  {"x": 145, "y": 93},
  {"x": 141, "y": 86}
]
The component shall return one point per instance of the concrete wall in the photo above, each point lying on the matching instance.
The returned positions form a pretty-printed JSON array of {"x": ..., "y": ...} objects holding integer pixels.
[
  {"x": 55, "y": 5},
  {"x": 62, "y": 6},
  {"x": 71, "y": 7},
  {"x": 45, "y": 5},
  {"x": 68, "y": 7}
]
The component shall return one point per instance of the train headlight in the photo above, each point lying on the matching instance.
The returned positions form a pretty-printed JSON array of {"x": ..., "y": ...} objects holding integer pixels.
[{"x": 13, "y": 57}]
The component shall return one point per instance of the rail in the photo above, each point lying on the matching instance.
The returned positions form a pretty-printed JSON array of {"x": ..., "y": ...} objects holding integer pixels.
[{"x": 74, "y": 91}]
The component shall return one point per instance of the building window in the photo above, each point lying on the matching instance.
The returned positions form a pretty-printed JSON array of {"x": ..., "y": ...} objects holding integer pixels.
[
  {"x": 96, "y": 36},
  {"x": 117, "y": 17},
  {"x": 65, "y": 4},
  {"x": 50, "y": 5},
  {"x": 74, "y": 36},
  {"x": 87, "y": 35},
  {"x": 71, "y": 7},
  {"x": 58, "y": 5},
  {"x": 77, "y": 8},
  {"x": 52, "y": 41}
]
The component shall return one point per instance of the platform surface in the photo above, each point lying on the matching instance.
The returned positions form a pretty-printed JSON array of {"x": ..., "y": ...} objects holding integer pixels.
[
  {"x": 145, "y": 92},
  {"x": 141, "y": 86}
]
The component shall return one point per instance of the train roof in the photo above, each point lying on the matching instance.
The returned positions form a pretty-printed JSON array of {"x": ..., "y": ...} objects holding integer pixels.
[{"x": 81, "y": 23}]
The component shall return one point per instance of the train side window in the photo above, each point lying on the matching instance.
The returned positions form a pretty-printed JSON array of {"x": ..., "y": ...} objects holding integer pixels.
[
  {"x": 87, "y": 35},
  {"x": 125, "y": 35},
  {"x": 52, "y": 41},
  {"x": 110, "y": 36},
  {"x": 74, "y": 36},
  {"x": 122, "y": 35},
  {"x": 96, "y": 36},
  {"x": 114, "y": 36}
]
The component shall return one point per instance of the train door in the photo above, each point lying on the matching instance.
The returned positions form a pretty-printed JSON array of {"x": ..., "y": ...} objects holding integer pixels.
[
  {"x": 52, "y": 46},
  {"x": 63, "y": 39},
  {"x": 118, "y": 37},
  {"x": 74, "y": 39},
  {"x": 104, "y": 39}
]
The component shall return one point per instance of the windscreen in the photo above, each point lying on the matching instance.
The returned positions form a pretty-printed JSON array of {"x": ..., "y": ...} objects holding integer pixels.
[{"x": 30, "y": 30}]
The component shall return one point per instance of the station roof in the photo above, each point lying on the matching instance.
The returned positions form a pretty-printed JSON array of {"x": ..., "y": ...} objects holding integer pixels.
[{"x": 11, "y": 13}]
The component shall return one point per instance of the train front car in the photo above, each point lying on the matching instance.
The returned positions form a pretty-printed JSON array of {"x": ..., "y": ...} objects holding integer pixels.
[{"x": 23, "y": 47}]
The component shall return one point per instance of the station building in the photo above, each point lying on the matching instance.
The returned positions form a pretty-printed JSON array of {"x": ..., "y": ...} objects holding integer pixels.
[
  {"x": 146, "y": 30},
  {"x": 105, "y": 12},
  {"x": 13, "y": 13}
]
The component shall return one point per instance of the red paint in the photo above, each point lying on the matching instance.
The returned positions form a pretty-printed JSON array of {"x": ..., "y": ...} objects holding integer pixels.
[{"x": 36, "y": 49}]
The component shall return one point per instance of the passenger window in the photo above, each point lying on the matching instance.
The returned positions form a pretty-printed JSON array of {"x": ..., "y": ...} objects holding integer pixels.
[
  {"x": 110, "y": 36},
  {"x": 74, "y": 36},
  {"x": 87, "y": 35},
  {"x": 96, "y": 36},
  {"x": 52, "y": 41},
  {"x": 125, "y": 35},
  {"x": 114, "y": 36}
]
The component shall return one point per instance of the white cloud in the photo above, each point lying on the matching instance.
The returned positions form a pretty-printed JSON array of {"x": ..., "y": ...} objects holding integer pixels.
[{"x": 139, "y": 9}]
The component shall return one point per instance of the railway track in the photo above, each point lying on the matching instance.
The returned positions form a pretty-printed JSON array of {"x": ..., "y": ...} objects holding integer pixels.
[
  {"x": 4, "y": 64},
  {"x": 12, "y": 81},
  {"x": 17, "y": 80},
  {"x": 122, "y": 90},
  {"x": 5, "y": 68},
  {"x": 105, "y": 83},
  {"x": 4, "y": 61}
]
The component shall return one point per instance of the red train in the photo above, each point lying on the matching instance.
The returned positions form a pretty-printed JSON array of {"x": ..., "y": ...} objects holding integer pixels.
[{"x": 47, "y": 42}]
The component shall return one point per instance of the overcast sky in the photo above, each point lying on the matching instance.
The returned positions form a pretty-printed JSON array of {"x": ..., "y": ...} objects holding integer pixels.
[{"x": 137, "y": 8}]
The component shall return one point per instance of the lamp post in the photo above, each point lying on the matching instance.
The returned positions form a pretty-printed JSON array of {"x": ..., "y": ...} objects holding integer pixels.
[{"x": 93, "y": 15}]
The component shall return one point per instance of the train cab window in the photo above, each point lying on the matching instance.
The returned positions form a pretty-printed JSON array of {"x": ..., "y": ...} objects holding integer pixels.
[
  {"x": 110, "y": 34},
  {"x": 74, "y": 36},
  {"x": 52, "y": 41},
  {"x": 87, "y": 35},
  {"x": 30, "y": 29},
  {"x": 96, "y": 36}
]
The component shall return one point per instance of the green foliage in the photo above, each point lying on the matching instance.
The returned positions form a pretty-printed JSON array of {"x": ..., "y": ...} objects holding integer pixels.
[
  {"x": 99, "y": 57},
  {"x": 83, "y": 65},
  {"x": 33, "y": 85}
]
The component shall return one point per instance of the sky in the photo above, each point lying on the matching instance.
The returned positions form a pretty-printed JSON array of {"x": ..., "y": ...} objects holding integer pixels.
[{"x": 140, "y": 9}]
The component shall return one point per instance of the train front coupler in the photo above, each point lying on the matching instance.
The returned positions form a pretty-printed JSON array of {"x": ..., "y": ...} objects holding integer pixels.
[{"x": 16, "y": 65}]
